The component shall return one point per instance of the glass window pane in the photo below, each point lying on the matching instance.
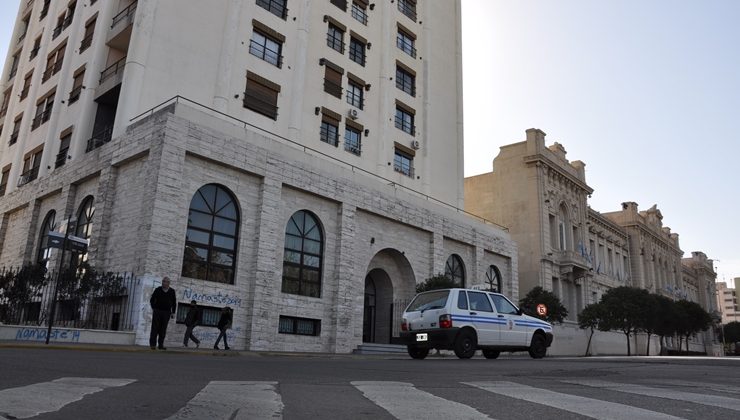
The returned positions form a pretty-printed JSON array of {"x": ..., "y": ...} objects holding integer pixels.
[
  {"x": 293, "y": 242},
  {"x": 291, "y": 271},
  {"x": 229, "y": 211},
  {"x": 221, "y": 274},
  {"x": 292, "y": 256},
  {"x": 201, "y": 220},
  {"x": 224, "y": 226},
  {"x": 222, "y": 258},
  {"x": 209, "y": 195},
  {"x": 285, "y": 325},
  {"x": 223, "y": 242},
  {"x": 195, "y": 254},
  {"x": 222, "y": 200},
  {"x": 299, "y": 218},
  {"x": 291, "y": 286},
  {"x": 311, "y": 261},
  {"x": 197, "y": 236},
  {"x": 198, "y": 203},
  {"x": 312, "y": 247},
  {"x": 292, "y": 228}
]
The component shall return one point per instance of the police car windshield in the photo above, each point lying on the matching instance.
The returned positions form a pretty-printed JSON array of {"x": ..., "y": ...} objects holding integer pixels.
[{"x": 429, "y": 300}]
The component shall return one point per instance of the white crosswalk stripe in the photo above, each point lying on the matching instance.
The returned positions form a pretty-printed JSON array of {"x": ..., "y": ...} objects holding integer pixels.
[
  {"x": 45, "y": 397},
  {"x": 575, "y": 404},
  {"x": 672, "y": 394},
  {"x": 702, "y": 385},
  {"x": 234, "y": 400},
  {"x": 404, "y": 401}
]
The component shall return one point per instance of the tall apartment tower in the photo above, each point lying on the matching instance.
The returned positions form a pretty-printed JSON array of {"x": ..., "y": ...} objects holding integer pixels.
[{"x": 298, "y": 160}]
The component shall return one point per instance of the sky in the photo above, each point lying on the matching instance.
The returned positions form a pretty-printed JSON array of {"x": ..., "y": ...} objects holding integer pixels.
[{"x": 646, "y": 93}]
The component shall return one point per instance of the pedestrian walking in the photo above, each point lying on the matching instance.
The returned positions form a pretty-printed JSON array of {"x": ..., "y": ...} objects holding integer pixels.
[
  {"x": 192, "y": 319},
  {"x": 164, "y": 303},
  {"x": 224, "y": 323}
]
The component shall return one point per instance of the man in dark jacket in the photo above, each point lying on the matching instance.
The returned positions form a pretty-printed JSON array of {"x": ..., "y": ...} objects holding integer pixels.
[
  {"x": 191, "y": 320},
  {"x": 224, "y": 323},
  {"x": 164, "y": 303}
]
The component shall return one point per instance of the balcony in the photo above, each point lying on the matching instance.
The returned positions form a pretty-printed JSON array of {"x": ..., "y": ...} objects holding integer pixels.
[
  {"x": 61, "y": 158},
  {"x": 41, "y": 118},
  {"x": 51, "y": 71},
  {"x": 111, "y": 77},
  {"x": 28, "y": 176},
  {"x": 86, "y": 42},
  {"x": 121, "y": 27},
  {"x": 100, "y": 138},
  {"x": 74, "y": 95},
  {"x": 13, "y": 138},
  {"x": 571, "y": 262}
]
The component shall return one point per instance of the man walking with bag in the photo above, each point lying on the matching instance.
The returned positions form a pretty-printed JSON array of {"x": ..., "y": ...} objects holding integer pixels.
[
  {"x": 191, "y": 320},
  {"x": 164, "y": 303}
]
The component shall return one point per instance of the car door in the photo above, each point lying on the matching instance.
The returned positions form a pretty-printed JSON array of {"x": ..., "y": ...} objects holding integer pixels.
[
  {"x": 513, "y": 331},
  {"x": 483, "y": 317}
]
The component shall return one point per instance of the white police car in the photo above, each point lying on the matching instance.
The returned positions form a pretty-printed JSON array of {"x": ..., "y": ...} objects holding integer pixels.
[{"x": 466, "y": 320}]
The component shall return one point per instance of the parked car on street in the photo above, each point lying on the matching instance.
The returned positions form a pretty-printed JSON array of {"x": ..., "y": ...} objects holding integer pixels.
[{"x": 465, "y": 320}]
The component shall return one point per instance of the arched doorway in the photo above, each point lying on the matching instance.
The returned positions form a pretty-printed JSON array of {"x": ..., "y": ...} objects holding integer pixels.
[{"x": 389, "y": 285}]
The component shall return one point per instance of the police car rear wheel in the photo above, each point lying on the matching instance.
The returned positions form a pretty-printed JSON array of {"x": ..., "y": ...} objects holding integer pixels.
[
  {"x": 417, "y": 353},
  {"x": 465, "y": 345}
]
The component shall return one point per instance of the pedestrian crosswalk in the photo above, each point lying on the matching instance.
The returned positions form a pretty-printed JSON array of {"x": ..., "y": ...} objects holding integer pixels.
[{"x": 564, "y": 398}]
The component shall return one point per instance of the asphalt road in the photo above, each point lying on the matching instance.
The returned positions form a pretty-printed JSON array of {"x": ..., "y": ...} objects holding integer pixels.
[{"x": 158, "y": 385}]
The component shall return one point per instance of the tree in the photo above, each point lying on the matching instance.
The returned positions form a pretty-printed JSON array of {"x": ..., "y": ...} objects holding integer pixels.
[
  {"x": 440, "y": 281},
  {"x": 624, "y": 309},
  {"x": 589, "y": 318},
  {"x": 666, "y": 321},
  {"x": 692, "y": 319},
  {"x": 18, "y": 288},
  {"x": 730, "y": 332},
  {"x": 556, "y": 312}
]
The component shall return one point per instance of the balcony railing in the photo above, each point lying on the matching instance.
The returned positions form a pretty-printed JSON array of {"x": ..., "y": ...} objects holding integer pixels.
[
  {"x": 100, "y": 138},
  {"x": 405, "y": 125},
  {"x": 61, "y": 158},
  {"x": 329, "y": 137},
  {"x": 112, "y": 70},
  {"x": 354, "y": 99},
  {"x": 352, "y": 146},
  {"x": 261, "y": 51},
  {"x": 24, "y": 92},
  {"x": 86, "y": 42},
  {"x": 68, "y": 19},
  {"x": 41, "y": 118},
  {"x": 404, "y": 168},
  {"x": 407, "y": 9},
  {"x": 52, "y": 71},
  {"x": 3, "y": 187},
  {"x": 332, "y": 88},
  {"x": 13, "y": 138},
  {"x": 124, "y": 14},
  {"x": 74, "y": 95},
  {"x": 57, "y": 31},
  {"x": 359, "y": 14},
  {"x": 405, "y": 46},
  {"x": 276, "y": 7},
  {"x": 34, "y": 53},
  {"x": 335, "y": 43},
  {"x": 28, "y": 176}
]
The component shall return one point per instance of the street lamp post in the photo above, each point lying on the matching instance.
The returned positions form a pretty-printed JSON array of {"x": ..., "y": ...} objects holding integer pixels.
[{"x": 70, "y": 220}]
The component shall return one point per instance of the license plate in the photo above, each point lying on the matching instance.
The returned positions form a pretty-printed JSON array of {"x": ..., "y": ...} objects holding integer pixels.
[{"x": 421, "y": 337}]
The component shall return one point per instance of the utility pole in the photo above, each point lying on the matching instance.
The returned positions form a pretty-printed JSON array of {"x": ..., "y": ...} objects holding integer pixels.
[{"x": 59, "y": 278}]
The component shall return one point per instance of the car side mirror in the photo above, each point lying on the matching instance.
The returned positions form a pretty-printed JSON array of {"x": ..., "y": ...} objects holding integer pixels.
[{"x": 519, "y": 311}]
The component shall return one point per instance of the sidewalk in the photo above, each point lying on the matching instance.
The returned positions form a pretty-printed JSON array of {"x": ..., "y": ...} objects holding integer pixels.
[{"x": 179, "y": 349}]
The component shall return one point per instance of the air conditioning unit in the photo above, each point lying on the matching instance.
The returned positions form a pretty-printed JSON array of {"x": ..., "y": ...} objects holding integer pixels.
[
  {"x": 415, "y": 144},
  {"x": 352, "y": 113}
]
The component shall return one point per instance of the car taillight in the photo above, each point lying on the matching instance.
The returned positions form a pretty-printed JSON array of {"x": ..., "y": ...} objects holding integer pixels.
[
  {"x": 445, "y": 321},
  {"x": 404, "y": 326}
]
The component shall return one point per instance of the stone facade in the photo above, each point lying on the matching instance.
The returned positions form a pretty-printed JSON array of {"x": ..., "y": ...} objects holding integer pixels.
[
  {"x": 143, "y": 182},
  {"x": 577, "y": 252}
]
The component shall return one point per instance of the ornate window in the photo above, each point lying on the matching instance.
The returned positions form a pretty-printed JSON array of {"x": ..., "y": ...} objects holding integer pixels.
[
  {"x": 212, "y": 235},
  {"x": 493, "y": 278},
  {"x": 44, "y": 250},
  {"x": 303, "y": 255},
  {"x": 455, "y": 270}
]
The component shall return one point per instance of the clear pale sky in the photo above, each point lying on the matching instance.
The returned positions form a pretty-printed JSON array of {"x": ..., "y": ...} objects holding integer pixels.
[{"x": 646, "y": 93}]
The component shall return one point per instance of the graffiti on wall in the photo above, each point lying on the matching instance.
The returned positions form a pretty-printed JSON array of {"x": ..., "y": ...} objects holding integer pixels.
[
  {"x": 219, "y": 298},
  {"x": 39, "y": 334}
]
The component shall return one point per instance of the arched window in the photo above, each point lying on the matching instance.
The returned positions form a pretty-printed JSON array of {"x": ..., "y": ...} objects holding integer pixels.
[
  {"x": 49, "y": 224},
  {"x": 84, "y": 226},
  {"x": 455, "y": 270},
  {"x": 493, "y": 279},
  {"x": 304, "y": 249},
  {"x": 212, "y": 235}
]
